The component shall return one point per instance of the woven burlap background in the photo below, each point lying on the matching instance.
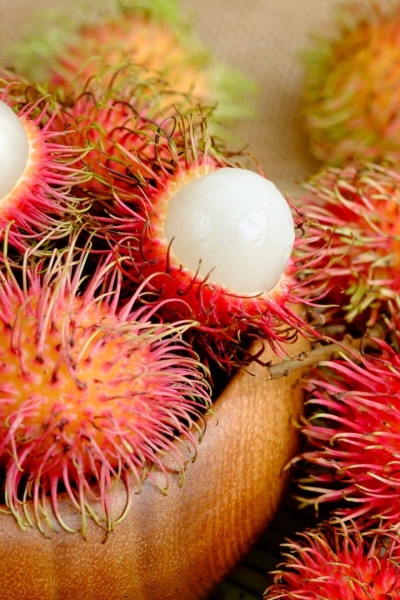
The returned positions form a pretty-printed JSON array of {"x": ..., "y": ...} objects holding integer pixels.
[{"x": 264, "y": 39}]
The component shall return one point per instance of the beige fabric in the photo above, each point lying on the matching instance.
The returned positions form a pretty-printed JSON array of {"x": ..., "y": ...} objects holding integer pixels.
[
  {"x": 261, "y": 37},
  {"x": 265, "y": 38}
]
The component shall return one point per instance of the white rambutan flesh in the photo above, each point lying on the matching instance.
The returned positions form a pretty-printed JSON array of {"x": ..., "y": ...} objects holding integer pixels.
[
  {"x": 234, "y": 225},
  {"x": 39, "y": 173},
  {"x": 14, "y": 149}
]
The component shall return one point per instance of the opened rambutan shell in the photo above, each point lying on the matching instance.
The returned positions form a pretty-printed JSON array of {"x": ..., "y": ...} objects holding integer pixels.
[
  {"x": 140, "y": 227},
  {"x": 356, "y": 213},
  {"x": 331, "y": 563},
  {"x": 352, "y": 84},
  {"x": 39, "y": 173}
]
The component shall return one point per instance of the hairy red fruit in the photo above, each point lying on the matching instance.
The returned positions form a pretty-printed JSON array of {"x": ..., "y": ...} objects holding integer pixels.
[
  {"x": 332, "y": 562},
  {"x": 66, "y": 50},
  {"x": 90, "y": 392},
  {"x": 354, "y": 433},
  {"x": 356, "y": 239}
]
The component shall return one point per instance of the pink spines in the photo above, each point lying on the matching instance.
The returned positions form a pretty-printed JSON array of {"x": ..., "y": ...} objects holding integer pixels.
[
  {"x": 353, "y": 432},
  {"x": 90, "y": 393},
  {"x": 337, "y": 562},
  {"x": 355, "y": 243},
  {"x": 45, "y": 190}
]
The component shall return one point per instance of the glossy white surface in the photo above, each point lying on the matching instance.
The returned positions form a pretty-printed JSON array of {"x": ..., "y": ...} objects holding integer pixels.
[
  {"x": 237, "y": 224},
  {"x": 14, "y": 149}
]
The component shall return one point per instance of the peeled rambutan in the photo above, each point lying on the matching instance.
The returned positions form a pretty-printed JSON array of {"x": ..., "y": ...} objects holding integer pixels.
[
  {"x": 353, "y": 432},
  {"x": 329, "y": 563},
  {"x": 37, "y": 172},
  {"x": 66, "y": 51},
  {"x": 352, "y": 84},
  {"x": 92, "y": 391},
  {"x": 356, "y": 243},
  {"x": 216, "y": 236}
]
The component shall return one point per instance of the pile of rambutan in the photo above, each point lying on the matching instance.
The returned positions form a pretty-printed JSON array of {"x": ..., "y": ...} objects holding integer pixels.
[
  {"x": 351, "y": 456},
  {"x": 139, "y": 261}
]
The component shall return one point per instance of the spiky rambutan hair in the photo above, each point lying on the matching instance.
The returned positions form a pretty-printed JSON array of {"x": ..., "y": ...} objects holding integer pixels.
[
  {"x": 352, "y": 84},
  {"x": 335, "y": 562},
  {"x": 91, "y": 392},
  {"x": 356, "y": 243},
  {"x": 137, "y": 226},
  {"x": 126, "y": 118},
  {"x": 39, "y": 172},
  {"x": 353, "y": 432},
  {"x": 66, "y": 50}
]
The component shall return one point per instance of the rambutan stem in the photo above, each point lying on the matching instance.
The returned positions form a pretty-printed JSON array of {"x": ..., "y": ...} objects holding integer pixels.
[{"x": 322, "y": 353}]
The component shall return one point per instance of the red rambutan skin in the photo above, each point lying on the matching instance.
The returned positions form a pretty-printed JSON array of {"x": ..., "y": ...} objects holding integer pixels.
[
  {"x": 46, "y": 189},
  {"x": 355, "y": 240},
  {"x": 136, "y": 228},
  {"x": 90, "y": 392},
  {"x": 333, "y": 563},
  {"x": 354, "y": 434}
]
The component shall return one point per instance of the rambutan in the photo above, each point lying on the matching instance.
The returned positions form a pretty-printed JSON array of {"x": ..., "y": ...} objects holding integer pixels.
[
  {"x": 356, "y": 243},
  {"x": 38, "y": 173},
  {"x": 329, "y": 563},
  {"x": 126, "y": 126},
  {"x": 354, "y": 432},
  {"x": 215, "y": 235},
  {"x": 352, "y": 84},
  {"x": 67, "y": 51},
  {"x": 92, "y": 392}
]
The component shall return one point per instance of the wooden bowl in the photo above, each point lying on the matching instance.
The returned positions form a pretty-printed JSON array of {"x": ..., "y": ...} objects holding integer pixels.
[{"x": 179, "y": 545}]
